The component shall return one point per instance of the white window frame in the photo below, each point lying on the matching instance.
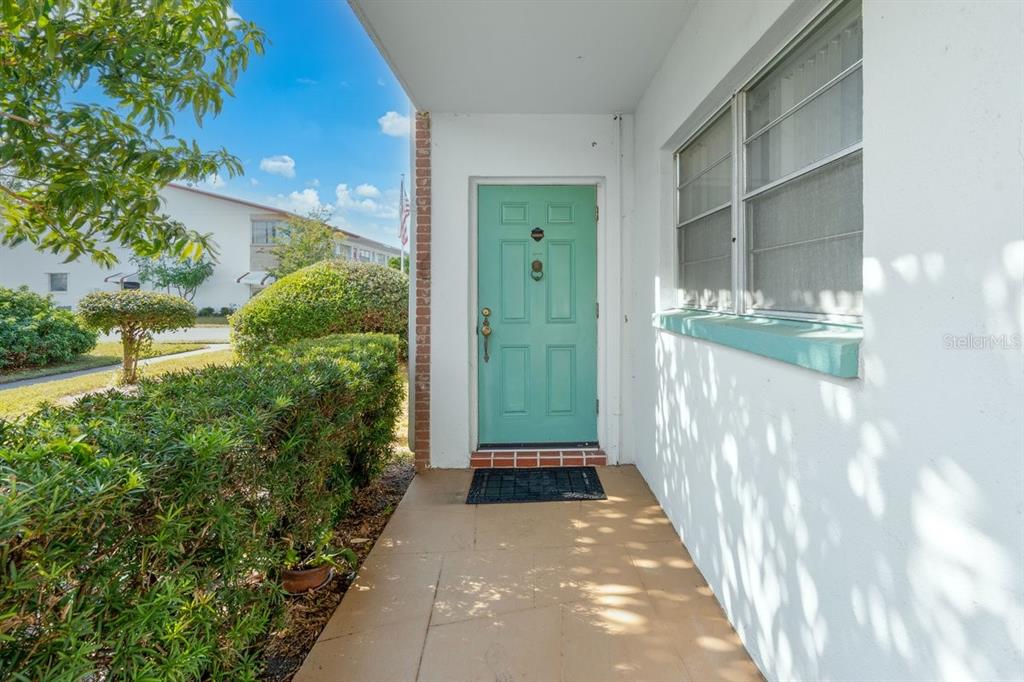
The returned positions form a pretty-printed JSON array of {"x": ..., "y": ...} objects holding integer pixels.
[
  {"x": 740, "y": 195},
  {"x": 271, "y": 234},
  {"x": 719, "y": 112}
]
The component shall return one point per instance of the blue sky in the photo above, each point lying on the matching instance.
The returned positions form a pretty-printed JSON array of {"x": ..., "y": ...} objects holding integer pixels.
[{"x": 310, "y": 119}]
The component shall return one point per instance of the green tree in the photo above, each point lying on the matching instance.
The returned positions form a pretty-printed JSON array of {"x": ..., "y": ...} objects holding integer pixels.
[
  {"x": 136, "y": 315},
  {"x": 184, "y": 275},
  {"x": 78, "y": 178},
  {"x": 303, "y": 241}
]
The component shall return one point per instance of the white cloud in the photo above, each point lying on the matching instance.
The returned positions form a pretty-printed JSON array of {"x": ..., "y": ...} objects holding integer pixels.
[
  {"x": 379, "y": 206},
  {"x": 306, "y": 81},
  {"x": 233, "y": 15},
  {"x": 367, "y": 191},
  {"x": 394, "y": 124},
  {"x": 214, "y": 181},
  {"x": 381, "y": 82},
  {"x": 281, "y": 164},
  {"x": 300, "y": 202},
  {"x": 253, "y": 181},
  {"x": 315, "y": 182},
  {"x": 305, "y": 201}
]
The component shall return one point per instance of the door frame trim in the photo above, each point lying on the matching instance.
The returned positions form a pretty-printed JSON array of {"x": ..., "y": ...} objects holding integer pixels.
[{"x": 609, "y": 336}]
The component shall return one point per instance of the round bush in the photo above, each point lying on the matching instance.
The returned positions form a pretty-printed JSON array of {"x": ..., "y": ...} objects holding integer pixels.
[
  {"x": 136, "y": 314},
  {"x": 34, "y": 332},
  {"x": 330, "y": 297}
]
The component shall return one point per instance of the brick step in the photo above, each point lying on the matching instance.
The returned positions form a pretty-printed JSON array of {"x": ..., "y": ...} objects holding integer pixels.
[{"x": 538, "y": 458}]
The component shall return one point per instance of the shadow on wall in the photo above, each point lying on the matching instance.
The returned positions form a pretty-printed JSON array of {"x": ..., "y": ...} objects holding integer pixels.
[{"x": 868, "y": 528}]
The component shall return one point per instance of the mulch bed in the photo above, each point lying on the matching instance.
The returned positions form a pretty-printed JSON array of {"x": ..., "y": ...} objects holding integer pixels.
[{"x": 306, "y": 616}]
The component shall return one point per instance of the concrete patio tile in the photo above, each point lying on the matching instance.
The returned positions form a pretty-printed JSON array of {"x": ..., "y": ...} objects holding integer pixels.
[
  {"x": 625, "y": 482},
  {"x": 710, "y": 648},
  {"x": 389, "y": 653},
  {"x": 388, "y": 589},
  {"x": 624, "y": 642},
  {"x": 600, "y": 574},
  {"x": 670, "y": 577},
  {"x": 432, "y": 488},
  {"x": 526, "y": 526},
  {"x": 436, "y": 529},
  {"x": 622, "y": 525},
  {"x": 520, "y": 645},
  {"x": 477, "y": 584}
]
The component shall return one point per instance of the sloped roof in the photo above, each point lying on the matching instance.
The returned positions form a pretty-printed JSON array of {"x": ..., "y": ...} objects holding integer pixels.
[{"x": 280, "y": 211}]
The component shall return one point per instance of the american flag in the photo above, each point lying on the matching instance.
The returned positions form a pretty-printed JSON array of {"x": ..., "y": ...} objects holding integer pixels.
[{"x": 403, "y": 221}]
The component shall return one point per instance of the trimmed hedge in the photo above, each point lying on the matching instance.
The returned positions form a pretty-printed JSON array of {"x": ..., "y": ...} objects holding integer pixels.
[
  {"x": 330, "y": 297},
  {"x": 34, "y": 332},
  {"x": 141, "y": 535}
]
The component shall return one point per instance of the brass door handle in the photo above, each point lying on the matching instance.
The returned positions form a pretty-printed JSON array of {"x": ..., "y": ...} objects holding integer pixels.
[{"x": 485, "y": 331}]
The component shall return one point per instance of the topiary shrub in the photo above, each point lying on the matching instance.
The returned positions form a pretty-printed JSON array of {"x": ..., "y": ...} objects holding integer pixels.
[
  {"x": 136, "y": 315},
  {"x": 141, "y": 535},
  {"x": 34, "y": 332},
  {"x": 330, "y": 297}
]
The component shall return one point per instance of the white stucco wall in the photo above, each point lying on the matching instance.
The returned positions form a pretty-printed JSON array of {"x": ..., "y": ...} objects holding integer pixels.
[
  {"x": 231, "y": 226},
  {"x": 229, "y": 222},
  {"x": 866, "y": 529},
  {"x": 508, "y": 146}
]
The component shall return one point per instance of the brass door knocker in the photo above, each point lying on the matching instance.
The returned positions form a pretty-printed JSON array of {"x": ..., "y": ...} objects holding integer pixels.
[{"x": 537, "y": 271}]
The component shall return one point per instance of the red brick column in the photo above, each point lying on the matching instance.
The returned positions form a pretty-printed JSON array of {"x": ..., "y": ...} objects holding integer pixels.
[{"x": 421, "y": 409}]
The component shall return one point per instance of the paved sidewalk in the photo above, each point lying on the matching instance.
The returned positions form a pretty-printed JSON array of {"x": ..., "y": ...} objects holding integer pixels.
[
  {"x": 594, "y": 590},
  {"x": 106, "y": 368},
  {"x": 211, "y": 334}
]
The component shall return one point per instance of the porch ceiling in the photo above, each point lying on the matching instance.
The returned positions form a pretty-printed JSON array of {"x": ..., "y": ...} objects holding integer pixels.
[{"x": 523, "y": 56}]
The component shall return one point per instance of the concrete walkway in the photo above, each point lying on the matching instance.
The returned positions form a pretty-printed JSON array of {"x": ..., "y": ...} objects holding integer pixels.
[
  {"x": 211, "y": 334},
  {"x": 106, "y": 368},
  {"x": 596, "y": 590}
]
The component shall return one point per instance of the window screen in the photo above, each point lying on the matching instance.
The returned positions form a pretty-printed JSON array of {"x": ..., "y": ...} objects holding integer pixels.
[
  {"x": 704, "y": 219},
  {"x": 804, "y": 214}
]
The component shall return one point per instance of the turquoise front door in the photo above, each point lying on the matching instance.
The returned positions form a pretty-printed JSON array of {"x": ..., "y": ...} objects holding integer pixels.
[{"x": 537, "y": 347}]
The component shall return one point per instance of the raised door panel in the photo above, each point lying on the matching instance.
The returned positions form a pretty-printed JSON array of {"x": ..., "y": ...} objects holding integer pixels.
[
  {"x": 560, "y": 380},
  {"x": 561, "y": 285},
  {"x": 515, "y": 380},
  {"x": 514, "y": 301}
]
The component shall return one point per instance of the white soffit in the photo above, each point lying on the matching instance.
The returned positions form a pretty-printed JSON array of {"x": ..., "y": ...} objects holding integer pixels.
[{"x": 523, "y": 56}]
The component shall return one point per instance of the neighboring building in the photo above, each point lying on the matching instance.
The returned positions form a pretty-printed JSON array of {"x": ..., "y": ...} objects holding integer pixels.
[
  {"x": 771, "y": 253},
  {"x": 354, "y": 247},
  {"x": 243, "y": 231}
]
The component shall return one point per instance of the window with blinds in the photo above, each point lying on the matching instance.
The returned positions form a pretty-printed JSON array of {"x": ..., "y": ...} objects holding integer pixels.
[
  {"x": 704, "y": 220},
  {"x": 798, "y": 191}
]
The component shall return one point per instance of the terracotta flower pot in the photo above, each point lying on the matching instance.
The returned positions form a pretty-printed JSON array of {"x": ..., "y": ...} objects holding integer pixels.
[{"x": 306, "y": 579}]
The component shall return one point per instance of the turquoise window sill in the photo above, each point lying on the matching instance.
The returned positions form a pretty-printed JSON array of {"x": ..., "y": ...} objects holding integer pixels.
[{"x": 823, "y": 347}]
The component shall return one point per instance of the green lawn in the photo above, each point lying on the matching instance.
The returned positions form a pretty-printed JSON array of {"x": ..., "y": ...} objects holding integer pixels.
[
  {"x": 211, "y": 321},
  {"x": 104, "y": 354},
  {"x": 19, "y": 401}
]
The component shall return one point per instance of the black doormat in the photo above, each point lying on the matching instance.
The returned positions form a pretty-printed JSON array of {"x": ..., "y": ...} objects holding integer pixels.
[{"x": 557, "y": 484}]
